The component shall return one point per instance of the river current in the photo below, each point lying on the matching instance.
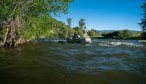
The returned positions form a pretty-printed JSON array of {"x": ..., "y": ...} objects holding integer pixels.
[{"x": 105, "y": 61}]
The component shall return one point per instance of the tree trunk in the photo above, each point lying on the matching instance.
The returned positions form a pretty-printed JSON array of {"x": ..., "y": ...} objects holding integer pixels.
[
  {"x": 5, "y": 36},
  {"x": 12, "y": 35}
]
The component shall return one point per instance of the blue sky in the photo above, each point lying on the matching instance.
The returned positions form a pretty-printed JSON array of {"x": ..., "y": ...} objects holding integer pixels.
[{"x": 106, "y": 14}]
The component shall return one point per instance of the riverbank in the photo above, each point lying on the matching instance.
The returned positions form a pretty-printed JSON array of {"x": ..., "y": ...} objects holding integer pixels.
[{"x": 17, "y": 43}]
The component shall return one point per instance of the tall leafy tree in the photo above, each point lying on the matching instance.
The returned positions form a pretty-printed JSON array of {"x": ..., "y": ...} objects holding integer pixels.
[
  {"x": 69, "y": 21},
  {"x": 82, "y": 23},
  {"x": 143, "y": 22}
]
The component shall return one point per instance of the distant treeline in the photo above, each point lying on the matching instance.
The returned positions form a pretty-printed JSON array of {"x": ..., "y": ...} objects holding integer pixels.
[{"x": 122, "y": 34}]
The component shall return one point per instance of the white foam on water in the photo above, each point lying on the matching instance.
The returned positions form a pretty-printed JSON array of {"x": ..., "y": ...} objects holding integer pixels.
[{"x": 118, "y": 43}]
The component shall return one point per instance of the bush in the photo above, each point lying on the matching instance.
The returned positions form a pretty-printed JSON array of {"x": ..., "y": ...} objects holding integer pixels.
[{"x": 122, "y": 34}]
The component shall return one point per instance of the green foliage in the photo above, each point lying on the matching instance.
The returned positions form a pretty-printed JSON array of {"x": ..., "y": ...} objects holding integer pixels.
[
  {"x": 143, "y": 34},
  {"x": 63, "y": 33},
  {"x": 82, "y": 23},
  {"x": 69, "y": 21},
  {"x": 31, "y": 18},
  {"x": 121, "y": 34},
  {"x": 41, "y": 26},
  {"x": 143, "y": 22},
  {"x": 71, "y": 31},
  {"x": 93, "y": 33},
  {"x": 78, "y": 31}
]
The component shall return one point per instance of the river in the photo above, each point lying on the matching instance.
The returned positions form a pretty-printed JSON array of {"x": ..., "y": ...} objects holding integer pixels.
[{"x": 101, "y": 62}]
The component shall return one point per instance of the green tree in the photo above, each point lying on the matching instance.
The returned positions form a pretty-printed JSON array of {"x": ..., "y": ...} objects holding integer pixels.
[
  {"x": 127, "y": 33},
  {"x": 82, "y": 23},
  {"x": 117, "y": 34},
  {"x": 93, "y": 33},
  {"x": 43, "y": 26},
  {"x": 78, "y": 31},
  {"x": 143, "y": 22},
  {"x": 16, "y": 15},
  {"x": 121, "y": 34},
  {"x": 69, "y": 22}
]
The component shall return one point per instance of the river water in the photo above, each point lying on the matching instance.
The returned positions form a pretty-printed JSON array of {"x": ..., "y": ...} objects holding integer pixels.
[{"x": 101, "y": 62}]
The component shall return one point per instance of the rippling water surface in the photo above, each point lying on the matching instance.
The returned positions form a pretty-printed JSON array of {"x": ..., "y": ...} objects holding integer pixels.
[{"x": 102, "y": 62}]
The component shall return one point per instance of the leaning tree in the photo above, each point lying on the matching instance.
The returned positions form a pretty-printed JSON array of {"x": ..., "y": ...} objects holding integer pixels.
[{"x": 15, "y": 14}]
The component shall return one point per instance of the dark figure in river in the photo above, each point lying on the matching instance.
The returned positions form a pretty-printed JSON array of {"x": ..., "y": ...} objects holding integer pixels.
[{"x": 76, "y": 36}]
